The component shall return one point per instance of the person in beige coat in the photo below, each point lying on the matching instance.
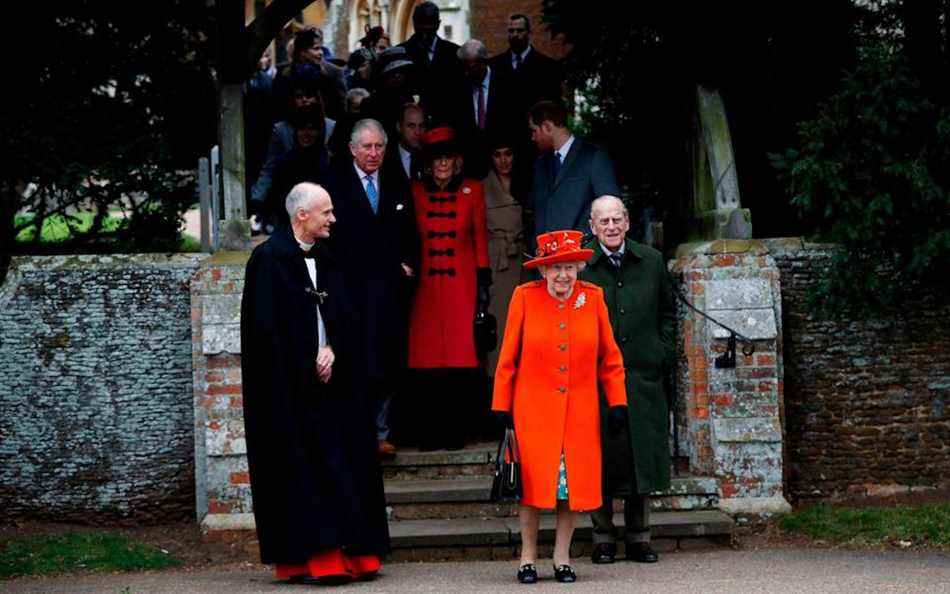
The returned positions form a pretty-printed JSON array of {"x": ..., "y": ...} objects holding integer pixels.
[{"x": 505, "y": 235}]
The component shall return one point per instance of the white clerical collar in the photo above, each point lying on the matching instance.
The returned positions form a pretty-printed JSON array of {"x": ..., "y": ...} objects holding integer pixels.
[
  {"x": 565, "y": 148},
  {"x": 303, "y": 244}
]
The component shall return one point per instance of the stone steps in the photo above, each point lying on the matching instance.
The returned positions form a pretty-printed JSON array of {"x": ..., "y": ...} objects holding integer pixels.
[
  {"x": 499, "y": 538},
  {"x": 469, "y": 497},
  {"x": 411, "y": 464}
]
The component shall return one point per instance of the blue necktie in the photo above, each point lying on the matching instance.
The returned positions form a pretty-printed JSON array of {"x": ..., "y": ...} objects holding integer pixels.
[
  {"x": 557, "y": 163},
  {"x": 371, "y": 194}
]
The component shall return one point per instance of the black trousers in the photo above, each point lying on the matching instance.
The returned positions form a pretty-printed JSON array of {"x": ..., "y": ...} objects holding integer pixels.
[
  {"x": 621, "y": 473},
  {"x": 444, "y": 407}
]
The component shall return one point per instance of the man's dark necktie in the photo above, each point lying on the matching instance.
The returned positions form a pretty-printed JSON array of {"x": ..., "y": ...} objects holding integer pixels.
[
  {"x": 310, "y": 254},
  {"x": 517, "y": 62},
  {"x": 615, "y": 258},
  {"x": 414, "y": 167},
  {"x": 557, "y": 163}
]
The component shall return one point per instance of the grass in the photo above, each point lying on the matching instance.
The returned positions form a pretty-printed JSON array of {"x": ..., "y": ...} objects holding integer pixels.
[
  {"x": 37, "y": 555},
  {"x": 919, "y": 525},
  {"x": 189, "y": 243}
]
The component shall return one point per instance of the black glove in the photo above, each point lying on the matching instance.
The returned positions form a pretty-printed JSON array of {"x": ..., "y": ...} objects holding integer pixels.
[
  {"x": 483, "y": 296},
  {"x": 617, "y": 418},
  {"x": 504, "y": 419}
]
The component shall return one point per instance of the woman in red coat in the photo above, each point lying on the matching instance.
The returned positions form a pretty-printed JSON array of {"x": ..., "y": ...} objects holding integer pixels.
[
  {"x": 453, "y": 283},
  {"x": 558, "y": 355}
]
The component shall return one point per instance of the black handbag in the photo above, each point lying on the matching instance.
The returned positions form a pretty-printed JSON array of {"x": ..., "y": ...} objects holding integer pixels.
[
  {"x": 486, "y": 333},
  {"x": 506, "y": 485}
]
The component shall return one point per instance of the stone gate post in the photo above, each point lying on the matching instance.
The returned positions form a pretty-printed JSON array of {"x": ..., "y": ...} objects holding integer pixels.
[{"x": 733, "y": 416}]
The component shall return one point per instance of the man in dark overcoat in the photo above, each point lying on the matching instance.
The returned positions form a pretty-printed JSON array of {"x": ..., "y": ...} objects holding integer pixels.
[
  {"x": 568, "y": 174},
  {"x": 377, "y": 232},
  {"x": 483, "y": 108},
  {"x": 318, "y": 495},
  {"x": 640, "y": 303},
  {"x": 438, "y": 67},
  {"x": 533, "y": 75}
]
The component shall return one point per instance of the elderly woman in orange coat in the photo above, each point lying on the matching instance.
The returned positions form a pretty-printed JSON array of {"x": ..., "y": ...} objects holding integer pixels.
[{"x": 558, "y": 355}]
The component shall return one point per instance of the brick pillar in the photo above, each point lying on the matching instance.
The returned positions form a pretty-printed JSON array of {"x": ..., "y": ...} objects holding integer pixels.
[
  {"x": 222, "y": 484},
  {"x": 733, "y": 416}
]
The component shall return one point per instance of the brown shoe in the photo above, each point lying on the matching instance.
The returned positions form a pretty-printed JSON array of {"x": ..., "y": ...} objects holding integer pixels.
[{"x": 386, "y": 449}]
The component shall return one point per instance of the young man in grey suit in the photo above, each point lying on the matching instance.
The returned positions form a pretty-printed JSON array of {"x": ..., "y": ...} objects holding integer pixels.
[{"x": 569, "y": 173}]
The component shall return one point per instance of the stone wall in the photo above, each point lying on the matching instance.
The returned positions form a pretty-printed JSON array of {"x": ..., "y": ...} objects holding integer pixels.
[
  {"x": 96, "y": 388},
  {"x": 867, "y": 401}
]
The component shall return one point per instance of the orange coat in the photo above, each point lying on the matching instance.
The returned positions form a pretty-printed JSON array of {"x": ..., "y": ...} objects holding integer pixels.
[{"x": 554, "y": 357}]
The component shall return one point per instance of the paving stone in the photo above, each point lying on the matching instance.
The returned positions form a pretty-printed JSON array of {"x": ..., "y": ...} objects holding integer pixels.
[{"x": 699, "y": 543}]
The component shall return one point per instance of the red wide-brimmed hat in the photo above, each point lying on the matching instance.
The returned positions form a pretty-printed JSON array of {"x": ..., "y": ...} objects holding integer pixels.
[{"x": 559, "y": 246}]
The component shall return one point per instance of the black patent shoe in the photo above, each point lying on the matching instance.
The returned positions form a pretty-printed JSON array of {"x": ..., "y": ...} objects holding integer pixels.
[
  {"x": 564, "y": 574},
  {"x": 527, "y": 574},
  {"x": 605, "y": 552},
  {"x": 641, "y": 553}
]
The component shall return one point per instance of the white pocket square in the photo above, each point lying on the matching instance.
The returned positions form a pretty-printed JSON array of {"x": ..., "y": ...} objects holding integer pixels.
[{"x": 399, "y": 206}]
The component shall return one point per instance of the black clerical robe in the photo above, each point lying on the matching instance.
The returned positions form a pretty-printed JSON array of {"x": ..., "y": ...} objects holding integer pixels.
[{"x": 311, "y": 447}]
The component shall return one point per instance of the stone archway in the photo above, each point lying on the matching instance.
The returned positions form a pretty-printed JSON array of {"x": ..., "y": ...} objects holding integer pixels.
[{"x": 401, "y": 22}]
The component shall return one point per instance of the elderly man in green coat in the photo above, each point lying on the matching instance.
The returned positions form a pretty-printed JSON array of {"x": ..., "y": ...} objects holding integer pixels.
[{"x": 636, "y": 462}]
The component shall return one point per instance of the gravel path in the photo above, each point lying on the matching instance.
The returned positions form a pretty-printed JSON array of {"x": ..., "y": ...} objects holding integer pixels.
[{"x": 782, "y": 570}]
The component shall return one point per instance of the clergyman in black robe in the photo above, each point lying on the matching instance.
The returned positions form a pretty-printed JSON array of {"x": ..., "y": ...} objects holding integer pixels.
[{"x": 318, "y": 495}]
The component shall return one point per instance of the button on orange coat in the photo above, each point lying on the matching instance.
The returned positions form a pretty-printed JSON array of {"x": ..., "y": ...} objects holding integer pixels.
[{"x": 548, "y": 377}]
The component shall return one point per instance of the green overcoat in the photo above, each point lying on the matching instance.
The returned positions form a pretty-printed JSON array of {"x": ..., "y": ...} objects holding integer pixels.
[{"x": 642, "y": 314}]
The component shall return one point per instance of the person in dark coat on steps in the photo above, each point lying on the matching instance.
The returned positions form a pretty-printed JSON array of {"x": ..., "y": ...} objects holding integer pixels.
[
  {"x": 319, "y": 506},
  {"x": 640, "y": 303},
  {"x": 377, "y": 234},
  {"x": 307, "y": 161}
]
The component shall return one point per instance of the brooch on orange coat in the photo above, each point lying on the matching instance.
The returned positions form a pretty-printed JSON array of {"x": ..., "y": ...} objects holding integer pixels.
[{"x": 580, "y": 301}]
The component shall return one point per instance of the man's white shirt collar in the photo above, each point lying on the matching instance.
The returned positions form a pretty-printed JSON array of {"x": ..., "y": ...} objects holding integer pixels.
[
  {"x": 406, "y": 157},
  {"x": 620, "y": 250},
  {"x": 565, "y": 148},
  {"x": 362, "y": 175},
  {"x": 524, "y": 56}
]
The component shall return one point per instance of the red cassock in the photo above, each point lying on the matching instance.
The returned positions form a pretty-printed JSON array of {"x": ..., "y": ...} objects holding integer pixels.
[{"x": 454, "y": 242}]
